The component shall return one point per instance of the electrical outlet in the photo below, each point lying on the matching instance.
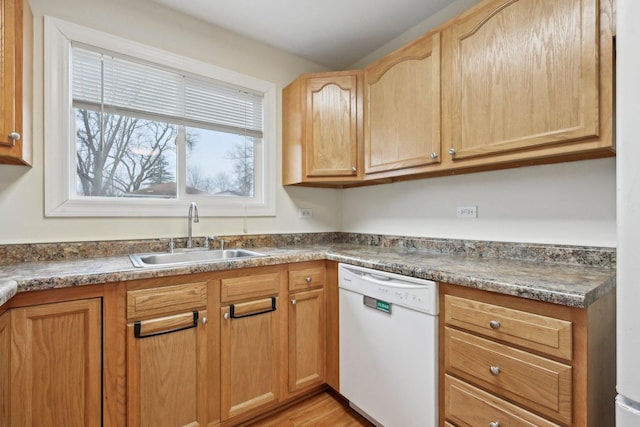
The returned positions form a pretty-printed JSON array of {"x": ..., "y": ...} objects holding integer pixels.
[
  {"x": 467, "y": 211},
  {"x": 305, "y": 213}
]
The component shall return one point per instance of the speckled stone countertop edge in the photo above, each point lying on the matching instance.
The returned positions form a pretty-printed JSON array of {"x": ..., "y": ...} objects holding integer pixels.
[
  {"x": 523, "y": 290},
  {"x": 574, "y": 286},
  {"x": 8, "y": 289}
]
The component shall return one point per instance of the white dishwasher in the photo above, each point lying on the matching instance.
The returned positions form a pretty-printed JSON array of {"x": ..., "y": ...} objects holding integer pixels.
[{"x": 389, "y": 346}]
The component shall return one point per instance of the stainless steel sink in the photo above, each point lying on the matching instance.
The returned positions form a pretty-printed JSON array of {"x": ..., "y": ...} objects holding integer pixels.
[{"x": 190, "y": 257}]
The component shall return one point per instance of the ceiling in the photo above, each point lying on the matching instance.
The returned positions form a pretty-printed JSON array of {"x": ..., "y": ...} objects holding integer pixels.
[{"x": 333, "y": 33}]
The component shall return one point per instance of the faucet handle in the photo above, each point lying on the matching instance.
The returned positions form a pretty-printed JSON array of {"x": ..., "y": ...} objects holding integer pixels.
[{"x": 208, "y": 240}]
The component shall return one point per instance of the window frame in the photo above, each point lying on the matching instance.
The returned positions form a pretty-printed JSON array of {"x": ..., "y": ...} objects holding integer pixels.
[{"x": 59, "y": 168}]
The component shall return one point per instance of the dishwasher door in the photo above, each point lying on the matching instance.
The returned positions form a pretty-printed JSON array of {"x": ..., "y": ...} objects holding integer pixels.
[{"x": 388, "y": 360}]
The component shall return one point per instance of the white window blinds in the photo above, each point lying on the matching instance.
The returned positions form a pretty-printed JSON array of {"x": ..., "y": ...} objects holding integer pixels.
[{"x": 106, "y": 81}]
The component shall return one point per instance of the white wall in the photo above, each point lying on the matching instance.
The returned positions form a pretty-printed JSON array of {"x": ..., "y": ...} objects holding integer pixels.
[
  {"x": 21, "y": 189},
  {"x": 569, "y": 203}
]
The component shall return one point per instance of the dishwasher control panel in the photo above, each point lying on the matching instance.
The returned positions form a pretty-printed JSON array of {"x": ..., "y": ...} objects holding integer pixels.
[{"x": 417, "y": 294}]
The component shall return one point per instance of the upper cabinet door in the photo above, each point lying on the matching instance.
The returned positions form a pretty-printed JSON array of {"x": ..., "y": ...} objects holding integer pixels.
[
  {"x": 331, "y": 125},
  {"x": 15, "y": 77},
  {"x": 520, "y": 74},
  {"x": 402, "y": 108}
]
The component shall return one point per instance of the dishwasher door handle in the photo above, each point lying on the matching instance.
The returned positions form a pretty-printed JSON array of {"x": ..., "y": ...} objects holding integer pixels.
[{"x": 390, "y": 282}]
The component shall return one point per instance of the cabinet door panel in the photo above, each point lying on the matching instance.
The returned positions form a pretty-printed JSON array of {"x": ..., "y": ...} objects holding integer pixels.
[
  {"x": 5, "y": 368},
  {"x": 306, "y": 339},
  {"x": 56, "y": 364},
  {"x": 331, "y": 127},
  {"x": 250, "y": 356},
  {"x": 402, "y": 125},
  {"x": 523, "y": 73},
  {"x": 166, "y": 372},
  {"x": 15, "y": 79}
]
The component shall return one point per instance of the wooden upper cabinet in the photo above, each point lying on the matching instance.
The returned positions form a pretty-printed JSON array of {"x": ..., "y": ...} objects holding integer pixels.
[
  {"x": 322, "y": 128},
  {"x": 519, "y": 74},
  {"x": 15, "y": 82},
  {"x": 402, "y": 108}
]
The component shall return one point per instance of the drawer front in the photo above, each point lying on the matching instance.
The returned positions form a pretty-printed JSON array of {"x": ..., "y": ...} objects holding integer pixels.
[
  {"x": 306, "y": 278},
  {"x": 541, "y": 384},
  {"x": 166, "y": 300},
  {"x": 257, "y": 285},
  {"x": 469, "y": 406},
  {"x": 540, "y": 333}
]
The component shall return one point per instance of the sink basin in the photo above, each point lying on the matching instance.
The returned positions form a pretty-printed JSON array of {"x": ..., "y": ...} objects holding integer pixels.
[{"x": 190, "y": 257}]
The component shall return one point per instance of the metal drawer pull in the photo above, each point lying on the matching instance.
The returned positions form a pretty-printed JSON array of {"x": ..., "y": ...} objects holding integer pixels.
[
  {"x": 137, "y": 326},
  {"x": 494, "y": 424},
  {"x": 233, "y": 315},
  {"x": 494, "y": 324},
  {"x": 308, "y": 279},
  {"x": 294, "y": 301},
  {"x": 495, "y": 370}
]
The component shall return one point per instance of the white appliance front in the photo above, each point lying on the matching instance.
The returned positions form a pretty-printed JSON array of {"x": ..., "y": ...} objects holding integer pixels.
[
  {"x": 628, "y": 213},
  {"x": 389, "y": 356}
]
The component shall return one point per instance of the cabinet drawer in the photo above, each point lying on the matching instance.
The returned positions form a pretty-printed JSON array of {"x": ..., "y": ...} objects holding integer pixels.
[
  {"x": 469, "y": 406},
  {"x": 540, "y": 333},
  {"x": 256, "y": 285},
  {"x": 541, "y": 384},
  {"x": 166, "y": 300},
  {"x": 306, "y": 278}
]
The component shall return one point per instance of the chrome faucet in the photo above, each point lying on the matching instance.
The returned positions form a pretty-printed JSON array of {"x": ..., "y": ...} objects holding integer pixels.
[{"x": 193, "y": 217}]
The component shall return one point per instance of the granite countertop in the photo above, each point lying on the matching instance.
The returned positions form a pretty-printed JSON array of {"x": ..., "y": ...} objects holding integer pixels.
[{"x": 565, "y": 284}]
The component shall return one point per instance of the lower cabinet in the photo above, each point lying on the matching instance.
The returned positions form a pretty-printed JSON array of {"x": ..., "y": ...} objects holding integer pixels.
[
  {"x": 250, "y": 341},
  {"x": 5, "y": 368},
  {"x": 510, "y": 361},
  {"x": 55, "y": 364},
  {"x": 250, "y": 356},
  {"x": 167, "y": 356},
  {"x": 306, "y": 340},
  {"x": 306, "y": 327}
]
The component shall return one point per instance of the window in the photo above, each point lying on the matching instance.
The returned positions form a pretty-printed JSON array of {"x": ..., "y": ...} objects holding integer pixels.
[{"x": 149, "y": 131}]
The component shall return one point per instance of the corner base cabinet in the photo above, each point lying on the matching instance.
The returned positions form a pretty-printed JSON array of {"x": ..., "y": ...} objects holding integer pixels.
[{"x": 511, "y": 361}]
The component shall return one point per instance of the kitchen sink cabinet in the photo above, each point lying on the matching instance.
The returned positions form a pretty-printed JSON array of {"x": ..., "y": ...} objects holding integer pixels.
[
  {"x": 527, "y": 79},
  {"x": 15, "y": 82},
  {"x": 402, "y": 109},
  {"x": 306, "y": 326},
  {"x": 55, "y": 364},
  {"x": 251, "y": 343},
  {"x": 167, "y": 359},
  {"x": 506, "y": 358},
  {"x": 322, "y": 129}
]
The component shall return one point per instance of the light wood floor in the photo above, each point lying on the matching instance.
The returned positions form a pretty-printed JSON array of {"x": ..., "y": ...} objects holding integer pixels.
[{"x": 321, "y": 410}]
